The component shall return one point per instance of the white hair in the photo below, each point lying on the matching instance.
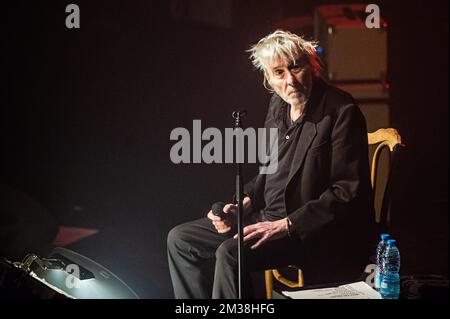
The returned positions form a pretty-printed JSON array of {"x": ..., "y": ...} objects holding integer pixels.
[{"x": 286, "y": 46}]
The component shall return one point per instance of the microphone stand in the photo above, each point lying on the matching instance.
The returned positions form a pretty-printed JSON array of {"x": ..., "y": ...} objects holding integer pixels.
[{"x": 237, "y": 115}]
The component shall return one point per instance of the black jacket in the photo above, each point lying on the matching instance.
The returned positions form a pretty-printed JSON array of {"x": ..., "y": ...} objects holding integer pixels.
[{"x": 328, "y": 196}]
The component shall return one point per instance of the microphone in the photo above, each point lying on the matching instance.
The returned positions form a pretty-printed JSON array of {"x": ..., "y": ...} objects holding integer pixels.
[{"x": 217, "y": 210}]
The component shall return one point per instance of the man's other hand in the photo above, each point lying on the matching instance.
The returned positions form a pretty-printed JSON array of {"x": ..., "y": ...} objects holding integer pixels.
[{"x": 265, "y": 231}]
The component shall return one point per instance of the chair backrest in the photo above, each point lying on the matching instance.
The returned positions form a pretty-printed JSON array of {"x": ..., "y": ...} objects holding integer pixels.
[{"x": 384, "y": 144}]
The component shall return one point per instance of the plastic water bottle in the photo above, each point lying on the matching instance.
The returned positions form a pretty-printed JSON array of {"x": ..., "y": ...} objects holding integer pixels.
[
  {"x": 390, "y": 268},
  {"x": 380, "y": 250}
]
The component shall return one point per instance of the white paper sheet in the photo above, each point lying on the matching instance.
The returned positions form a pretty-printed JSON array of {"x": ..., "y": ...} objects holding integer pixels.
[{"x": 357, "y": 290}]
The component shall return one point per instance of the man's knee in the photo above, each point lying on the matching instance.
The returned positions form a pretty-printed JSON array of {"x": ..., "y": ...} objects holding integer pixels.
[{"x": 176, "y": 237}]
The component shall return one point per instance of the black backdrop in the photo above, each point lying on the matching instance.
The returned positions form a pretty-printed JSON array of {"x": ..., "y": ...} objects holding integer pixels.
[{"x": 87, "y": 113}]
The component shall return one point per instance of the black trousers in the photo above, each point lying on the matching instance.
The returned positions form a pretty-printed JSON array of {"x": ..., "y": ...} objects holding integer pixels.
[{"x": 203, "y": 263}]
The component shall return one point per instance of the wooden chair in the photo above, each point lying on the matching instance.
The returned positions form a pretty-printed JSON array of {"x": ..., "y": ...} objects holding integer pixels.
[
  {"x": 382, "y": 139},
  {"x": 383, "y": 166}
]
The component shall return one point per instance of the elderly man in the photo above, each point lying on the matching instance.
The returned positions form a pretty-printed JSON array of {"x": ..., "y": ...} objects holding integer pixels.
[{"x": 316, "y": 210}]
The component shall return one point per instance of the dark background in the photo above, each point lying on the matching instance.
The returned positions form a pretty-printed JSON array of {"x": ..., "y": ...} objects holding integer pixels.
[{"x": 87, "y": 114}]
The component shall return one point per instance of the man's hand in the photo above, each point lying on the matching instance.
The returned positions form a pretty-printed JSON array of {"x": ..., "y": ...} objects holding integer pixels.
[
  {"x": 265, "y": 231},
  {"x": 224, "y": 226}
]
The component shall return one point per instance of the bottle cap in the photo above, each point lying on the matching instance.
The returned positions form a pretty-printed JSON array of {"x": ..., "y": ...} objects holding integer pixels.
[
  {"x": 391, "y": 241},
  {"x": 384, "y": 236}
]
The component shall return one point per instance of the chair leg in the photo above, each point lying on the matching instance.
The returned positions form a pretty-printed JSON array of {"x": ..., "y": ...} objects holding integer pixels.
[
  {"x": 269, "y": 283},
  {"x": 300, "y": 278}
]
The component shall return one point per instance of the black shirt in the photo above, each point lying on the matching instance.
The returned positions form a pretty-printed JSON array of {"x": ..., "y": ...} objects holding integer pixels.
[{"x": 288, "y": 135}]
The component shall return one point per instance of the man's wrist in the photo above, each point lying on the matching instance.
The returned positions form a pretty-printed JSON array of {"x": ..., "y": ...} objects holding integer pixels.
[
  {"x": 288, "y": 226},
  {"x": 246, "y": 203}
]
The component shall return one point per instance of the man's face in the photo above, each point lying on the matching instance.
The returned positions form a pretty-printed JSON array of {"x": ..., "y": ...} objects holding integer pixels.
[{"x": 292, "y": 81}]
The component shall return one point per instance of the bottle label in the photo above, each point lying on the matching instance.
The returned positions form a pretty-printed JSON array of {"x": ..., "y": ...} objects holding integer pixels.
[{"x": 390, "y": 287}]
